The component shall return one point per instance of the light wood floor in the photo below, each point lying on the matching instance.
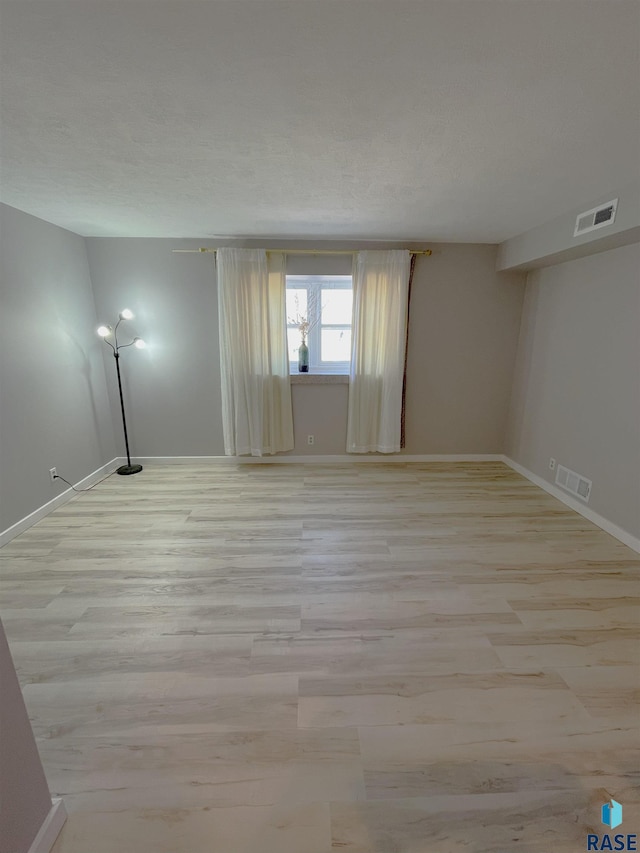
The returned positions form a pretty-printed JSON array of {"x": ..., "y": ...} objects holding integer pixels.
[{"x": 376, "y": 658}]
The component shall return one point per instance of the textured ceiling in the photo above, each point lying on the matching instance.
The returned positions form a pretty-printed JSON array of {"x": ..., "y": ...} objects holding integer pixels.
[{"x": 461, "y": 120}]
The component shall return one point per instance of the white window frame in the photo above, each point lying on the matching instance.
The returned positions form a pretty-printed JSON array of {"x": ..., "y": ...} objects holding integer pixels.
[{"x": 314, "y": 285}]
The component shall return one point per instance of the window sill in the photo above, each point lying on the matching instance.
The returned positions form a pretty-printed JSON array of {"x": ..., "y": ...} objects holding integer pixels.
[{"x": 319, "y": 378}]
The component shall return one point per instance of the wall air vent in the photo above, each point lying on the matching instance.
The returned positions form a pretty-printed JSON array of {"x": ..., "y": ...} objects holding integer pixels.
[
  {"x": 574, "y": 483},
  {"x": 597, "y": 217}
]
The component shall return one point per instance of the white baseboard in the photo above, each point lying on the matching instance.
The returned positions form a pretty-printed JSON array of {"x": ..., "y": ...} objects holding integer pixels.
[
  {"x": 608, "y": 526},
  {"x": 38, "y": 514},
  {"x": 50, "y": 829},
  {"x": 318, "y": 459}
]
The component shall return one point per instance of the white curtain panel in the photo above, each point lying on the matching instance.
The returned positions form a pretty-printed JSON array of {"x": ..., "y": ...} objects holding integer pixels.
[
  {"x": 380, "y": 304},
  {"x": 254, "y": 362}
]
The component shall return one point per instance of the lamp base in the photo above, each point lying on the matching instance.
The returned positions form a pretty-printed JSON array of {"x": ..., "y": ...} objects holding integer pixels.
[{"x": 129, "y": 469}]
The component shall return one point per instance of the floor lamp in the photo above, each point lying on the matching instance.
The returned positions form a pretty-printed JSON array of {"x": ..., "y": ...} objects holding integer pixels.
[{"x": 105, "y": 333}]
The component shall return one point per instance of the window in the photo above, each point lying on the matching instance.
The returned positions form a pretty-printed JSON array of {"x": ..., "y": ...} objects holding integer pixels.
[{"x": 326, "y": 302}]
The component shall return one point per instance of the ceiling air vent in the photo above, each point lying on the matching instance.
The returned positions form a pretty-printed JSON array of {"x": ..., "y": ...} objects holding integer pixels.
[
  {"x": 574, "y": 483},
  {"x": 597, "y": 217}
]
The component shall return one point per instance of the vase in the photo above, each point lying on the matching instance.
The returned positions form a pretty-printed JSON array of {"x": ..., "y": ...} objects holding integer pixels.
[{"x": 303, "y": 358}]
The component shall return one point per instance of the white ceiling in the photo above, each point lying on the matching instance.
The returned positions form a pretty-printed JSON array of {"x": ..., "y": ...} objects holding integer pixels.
[{"x": 457, "y": 120}]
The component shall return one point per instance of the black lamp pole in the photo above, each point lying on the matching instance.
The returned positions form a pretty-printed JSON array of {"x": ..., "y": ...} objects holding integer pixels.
[{"x": 105, "y": 332}]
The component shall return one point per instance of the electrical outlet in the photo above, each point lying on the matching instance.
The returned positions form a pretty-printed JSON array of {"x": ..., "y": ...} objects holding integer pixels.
[
  {"x": 552, "y": 464},
  {"x": 311, "y": 439},
  {"x": 53, "y": 473}
]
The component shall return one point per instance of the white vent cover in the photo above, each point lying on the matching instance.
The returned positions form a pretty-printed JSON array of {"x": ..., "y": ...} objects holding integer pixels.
[
  {"x": 597, "y": 217},
  {"x": 574, "y": 483}
]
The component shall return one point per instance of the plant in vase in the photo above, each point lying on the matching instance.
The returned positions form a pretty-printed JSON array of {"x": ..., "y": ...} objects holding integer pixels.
[
  {"x": 303, "y": 349},
  {"x": 304, "y": 325}
]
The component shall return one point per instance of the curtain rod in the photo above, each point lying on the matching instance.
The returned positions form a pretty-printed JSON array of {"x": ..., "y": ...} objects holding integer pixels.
[{"x": 303, "y": 251}]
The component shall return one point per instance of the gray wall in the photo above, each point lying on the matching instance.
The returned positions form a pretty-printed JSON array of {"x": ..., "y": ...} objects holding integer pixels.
[
  {"x": 53, "y": 404},
  {"x": 463, "y": 339},
  {"x": 24, "y": 795},
  {"x": 172, "y": 388},
  {"x": 576, "y": 393},
  {"x": 463, "y": 336}
]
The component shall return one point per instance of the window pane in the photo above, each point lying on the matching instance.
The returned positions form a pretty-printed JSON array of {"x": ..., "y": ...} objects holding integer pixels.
[
  {"x": 294, "y": 339},
  {"x": 296, "y": 303},
  {"x": 336, "y": 307},
  {"x": 336, "y": 344}
]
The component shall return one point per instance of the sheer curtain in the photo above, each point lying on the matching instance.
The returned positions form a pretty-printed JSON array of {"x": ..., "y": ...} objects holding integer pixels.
[
  {"x": 380, "y": 304},
  {"x": 254, "y": 362}
]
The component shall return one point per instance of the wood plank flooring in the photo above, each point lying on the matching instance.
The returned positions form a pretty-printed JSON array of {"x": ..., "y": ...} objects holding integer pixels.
[{"x": 374, "y": 658}]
